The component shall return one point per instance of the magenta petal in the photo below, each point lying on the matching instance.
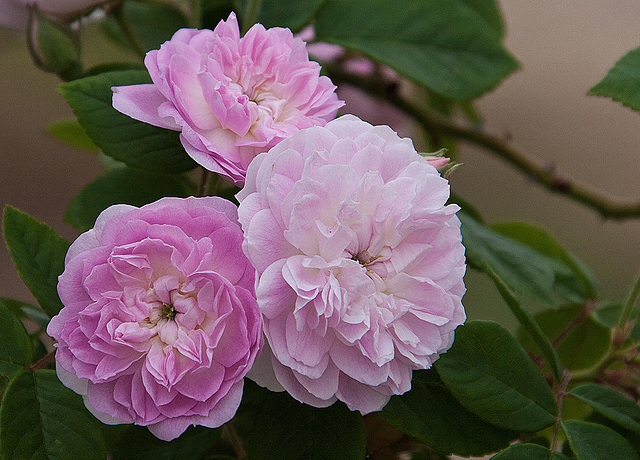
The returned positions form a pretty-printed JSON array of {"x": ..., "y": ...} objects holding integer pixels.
[
  {"x": 161, "y": 312},
  {"x": 170, "y": 429},
  {"x": 225, "y": 409},
  {"x": 361, "y": 397},
  {"x": 295, "y": 388},
  {"x": 325, "y": 387},
  {"x": 231, "y": 97},
  {"x": 202, "y": 384},
  {"x": 141, "y": 102},
  {"x": 101, "y": 397},
  {"x": 274, "y": 293}
]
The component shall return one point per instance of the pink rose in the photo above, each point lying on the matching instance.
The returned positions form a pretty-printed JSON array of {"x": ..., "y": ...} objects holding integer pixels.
[
  {"x": 160, "y": 322},
  {"x": 360, "y": 263},
  {"x": 232, "y": 98},
  {"x": 14, "y": 13}
]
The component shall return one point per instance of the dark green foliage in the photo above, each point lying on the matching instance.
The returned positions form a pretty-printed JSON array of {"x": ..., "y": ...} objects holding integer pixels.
[{"x": 38, "y": 253}]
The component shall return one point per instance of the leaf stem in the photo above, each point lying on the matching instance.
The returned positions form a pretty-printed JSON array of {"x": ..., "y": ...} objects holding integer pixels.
[
  {"x": 43, "y": 362},
  {"x": 213, "y": 185},
  {"x": 230, "y": 431},
  {"x": 561, "y": 391},
  {"x": 533, "y": 168},
  {"x": 625, "y": 315},
  {"x": 204, "y": 179},
  {"x": 585, "y": 312},
  {"x": 251, "y": 14},
  {"x": 195, "y": 16},
  {"x": 528, "y": 324}
]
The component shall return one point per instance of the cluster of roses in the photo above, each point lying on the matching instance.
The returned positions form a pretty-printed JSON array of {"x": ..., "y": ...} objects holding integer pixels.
[{"x": 343, "y": 253}]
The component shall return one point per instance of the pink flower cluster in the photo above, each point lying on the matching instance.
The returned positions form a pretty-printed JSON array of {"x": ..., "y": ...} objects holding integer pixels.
[
  {"x": 160, "y": 323},
  {"x": 232, "y": 98},
  {"x": 360, "y": 263},
  {"x": 343, "y": 251}
]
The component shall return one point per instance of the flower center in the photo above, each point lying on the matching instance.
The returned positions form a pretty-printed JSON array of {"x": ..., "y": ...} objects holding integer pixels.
[
  {"x": 364, "y": 258},
  {"x": 168, "y": 311}
]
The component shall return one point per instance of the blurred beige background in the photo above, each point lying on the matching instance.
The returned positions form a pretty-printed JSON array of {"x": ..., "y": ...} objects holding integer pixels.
[{"x": 565, "y": 47}]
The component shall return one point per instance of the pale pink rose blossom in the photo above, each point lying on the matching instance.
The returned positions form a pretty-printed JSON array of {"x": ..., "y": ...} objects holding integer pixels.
[
  {"x": 232, "y": 98},
  {"x": 160, "y": 322},
  {"x": 360, "y": 263},
  {"x": 14, "y": 13}
]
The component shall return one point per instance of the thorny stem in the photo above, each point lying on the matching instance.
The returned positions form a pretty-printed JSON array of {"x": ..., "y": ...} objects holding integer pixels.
[
  {"x": 251, "y": 14},
  {"x": 230, "y": 431},
  {"x": 533, "y": 168}
]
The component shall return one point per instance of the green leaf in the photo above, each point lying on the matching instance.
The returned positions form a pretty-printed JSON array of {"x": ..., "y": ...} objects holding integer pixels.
[
  {"x": 610, "y": 403},
  {"x": 15, "y": 345},
  {"x": 595, "y": 417},
  {"x": 71, "y": 133},
  {"x": 26, "y": 310},
  {"x": 533, "y": 277},
  {"x": 488, "y": 371},
  {"x": 489, "y": 10},
  {"x": 609, "y": 313},
  {"x": 278, "y": 427},
  {"x": 291, "y": 14},
  {"x": 152, "y": 23},
  {"x": 41, "y": 418},
  {"x": 432, "y": 415},
  {"x": 4, "y": 382},
  {"x": 529, "y": 324},
  {"x": 126, "y": 186},
  {"x": 528, "y": 452},
  {"x": 139, "y": 145},
  {"x": 536, "y": 238},
  {"x": 38, "y": 253},
  {"x": 288, "y": 13},
  {"x": 590, "y": 441},
  {"x": 445, "y": 46},
  {"x": 622, "y": 83},
  {"x": 582, "y": 348},
  {"x": 137, "y": 443},
  {"x": 53, "y": 46}
]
